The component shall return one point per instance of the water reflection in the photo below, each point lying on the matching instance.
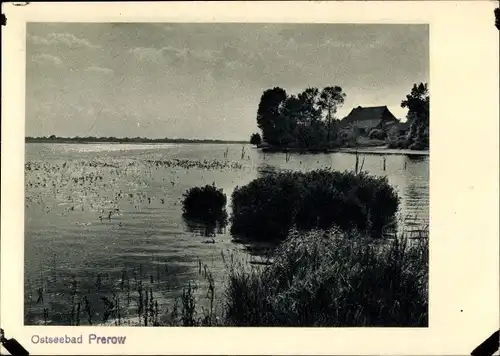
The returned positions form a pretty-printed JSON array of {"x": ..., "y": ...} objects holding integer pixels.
[
  {"x": 264, "y": 169},
  {"x": 205, "y": 228},
  {"x": 416, "y": 158}
]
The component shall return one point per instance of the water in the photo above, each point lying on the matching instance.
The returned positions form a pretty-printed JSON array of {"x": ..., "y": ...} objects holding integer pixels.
[{"x": 72, "y": 188}]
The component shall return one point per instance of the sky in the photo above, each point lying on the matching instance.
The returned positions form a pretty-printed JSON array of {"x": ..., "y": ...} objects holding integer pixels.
[{"x": 162, "y": 80}]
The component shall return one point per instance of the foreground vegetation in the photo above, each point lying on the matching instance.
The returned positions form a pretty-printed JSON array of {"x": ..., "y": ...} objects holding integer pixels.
[
  {"x": 319, "y": 278},
  {"x": 331, "y": 279}
]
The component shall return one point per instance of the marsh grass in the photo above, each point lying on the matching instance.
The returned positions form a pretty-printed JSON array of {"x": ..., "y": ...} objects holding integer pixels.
[
  {"x": 315, "y": 278},
  {"x": 330, "y": 279}
]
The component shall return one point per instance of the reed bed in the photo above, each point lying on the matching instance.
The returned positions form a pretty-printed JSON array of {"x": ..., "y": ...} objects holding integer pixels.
[{"x": 319, "y": 278}]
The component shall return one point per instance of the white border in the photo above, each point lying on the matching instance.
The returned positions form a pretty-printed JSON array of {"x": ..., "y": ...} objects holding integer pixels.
[{"x": 464, "y": 176}]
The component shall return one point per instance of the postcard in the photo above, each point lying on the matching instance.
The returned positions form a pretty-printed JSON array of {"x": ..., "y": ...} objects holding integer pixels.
[{"x": 249, "y": 178}]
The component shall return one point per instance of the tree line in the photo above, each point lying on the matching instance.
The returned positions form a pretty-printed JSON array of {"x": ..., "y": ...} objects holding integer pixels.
[
  {"x": 88, "y": 139},
  {"x": 303, "y": 120},
  {"x": 307, "y": 120}
]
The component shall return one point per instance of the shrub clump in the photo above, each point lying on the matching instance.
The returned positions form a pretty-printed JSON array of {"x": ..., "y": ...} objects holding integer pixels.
[
  {"x": 268, "y": 207},
  {"x": 326, "y": 279},
  {"x": 377, "y": 134},
  {"x": 205, "y": 204}
]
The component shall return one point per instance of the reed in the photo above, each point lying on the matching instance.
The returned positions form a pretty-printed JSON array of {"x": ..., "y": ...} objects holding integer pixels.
[
  {"x": 45, "y": 316},
  {"x": 147, "y": 305},
  {"x": 188, "y": 306},
  {"x": 326, "y": 278},
  {"x": 78, "y": 314},
  {"x": 88, "y": 310},
  {"x": 140, "y": 300}
]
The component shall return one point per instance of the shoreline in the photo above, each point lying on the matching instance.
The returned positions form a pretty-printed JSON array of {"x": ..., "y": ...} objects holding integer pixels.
[
  {"x": 384, "y": 151},
  {"x": 367, "y": 150}
]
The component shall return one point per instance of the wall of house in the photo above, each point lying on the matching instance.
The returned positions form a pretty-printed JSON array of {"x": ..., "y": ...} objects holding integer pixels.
[{"x": 367, "y": 124}]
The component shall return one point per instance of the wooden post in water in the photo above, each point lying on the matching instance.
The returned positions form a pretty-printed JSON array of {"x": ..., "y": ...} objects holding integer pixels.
[
  {"x": 357, "y": 163},
  {"x": 384, "y": 158}
]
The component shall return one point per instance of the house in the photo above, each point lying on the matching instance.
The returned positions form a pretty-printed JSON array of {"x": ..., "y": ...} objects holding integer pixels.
[
  {"x": 364, "y": 119},
  {"x": 399, "y": 128}
]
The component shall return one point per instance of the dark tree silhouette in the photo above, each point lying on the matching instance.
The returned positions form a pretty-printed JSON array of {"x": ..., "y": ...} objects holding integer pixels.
[
  {"x": 418, "y": 102},
  {"x": 296, "y": 120},
  {"x": 330, "y": 99},
  {"x": 269, "y": 114},
  {"x": 255, "y": 139}
]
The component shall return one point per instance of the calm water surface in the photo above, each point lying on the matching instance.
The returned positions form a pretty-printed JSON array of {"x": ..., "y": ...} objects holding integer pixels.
[{"x": 72, "y": 188}]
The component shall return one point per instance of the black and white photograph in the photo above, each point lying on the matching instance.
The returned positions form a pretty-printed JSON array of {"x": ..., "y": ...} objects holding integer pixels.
[
  {"x": 227, "y": 174},
  {"x": 249, "y": 178}
]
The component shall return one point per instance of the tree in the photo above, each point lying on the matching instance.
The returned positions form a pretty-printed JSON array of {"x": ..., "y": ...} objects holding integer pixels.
[
  {"x": 269, "y": 114},
  {"x": 297, "y": 119},
  {"x": 418, "y": 102},
  {"x": 330, "y": 99},
  {"x": 255, "y": 139},
  {"x": 311, "y": 110}
]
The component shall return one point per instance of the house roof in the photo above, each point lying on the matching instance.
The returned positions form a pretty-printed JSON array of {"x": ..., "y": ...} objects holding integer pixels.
[{"x": 369, "y": 113}]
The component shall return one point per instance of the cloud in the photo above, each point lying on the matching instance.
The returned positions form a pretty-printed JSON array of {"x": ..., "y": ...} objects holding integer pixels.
[
  {"x": 99, "y": 70},
  {"x": 147, "y": 54},
  {"x": 44, "y": 58},
  {"x": 66, "y": 39},
  {"x": 153, "y": 54}
]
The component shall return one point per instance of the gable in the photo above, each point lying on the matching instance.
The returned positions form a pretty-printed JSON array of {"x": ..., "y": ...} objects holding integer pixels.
[
  {"x": 369, "y": 116},
  {"x": 360, "y": 114}
]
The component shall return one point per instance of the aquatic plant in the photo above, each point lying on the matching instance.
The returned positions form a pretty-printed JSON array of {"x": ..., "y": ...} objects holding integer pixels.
[
  {"x": 206, "y": 204},
  {"x": 268, "y": 207},
  {"x": 327, "y": 279}
]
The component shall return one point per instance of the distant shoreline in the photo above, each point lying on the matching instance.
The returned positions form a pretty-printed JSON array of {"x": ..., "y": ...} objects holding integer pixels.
[{"x": 126, "y": 141}]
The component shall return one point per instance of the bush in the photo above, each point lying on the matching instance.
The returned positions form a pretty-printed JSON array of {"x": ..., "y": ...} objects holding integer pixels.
[
  {"x": 264, "y": 208},
  {"x": 326, "y": 279},
  {"x": 400, "y": 142},
  {"x": 377, "y": 134},
  {"x": 255, "y": 139},
  {"x": 206, "y": 204},
  {"x": 268, "y": 207}
]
